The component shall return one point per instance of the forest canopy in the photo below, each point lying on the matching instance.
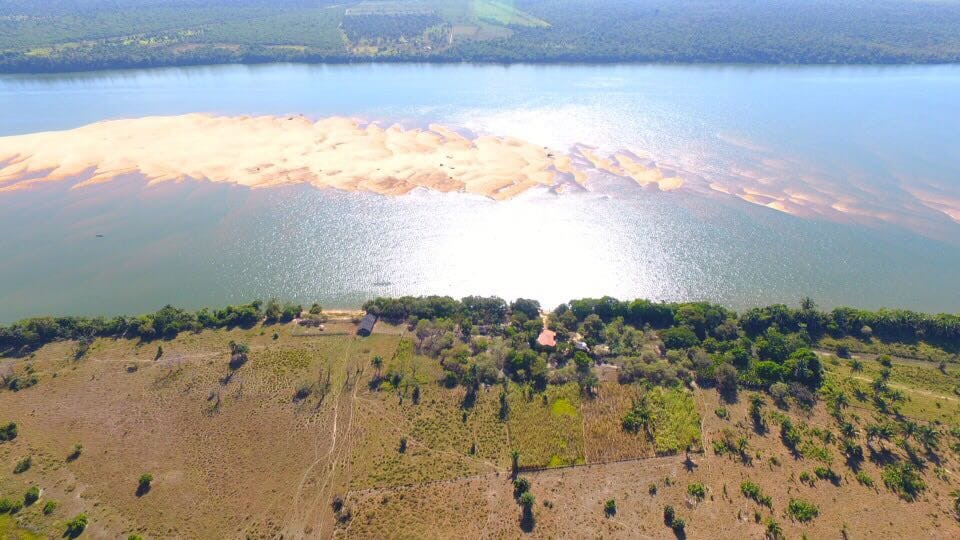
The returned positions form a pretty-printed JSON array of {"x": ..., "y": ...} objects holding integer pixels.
[{"x": 42, "y": 35}]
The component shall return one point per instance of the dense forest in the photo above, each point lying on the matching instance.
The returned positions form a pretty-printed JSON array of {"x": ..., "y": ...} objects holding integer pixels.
[{"x": 41, "y": 35}]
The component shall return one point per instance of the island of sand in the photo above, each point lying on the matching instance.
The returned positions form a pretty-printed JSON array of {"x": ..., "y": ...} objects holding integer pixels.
[{"x": 335, "y": 152}]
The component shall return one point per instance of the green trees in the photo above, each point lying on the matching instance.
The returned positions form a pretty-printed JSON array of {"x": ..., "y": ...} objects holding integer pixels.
[{"x": 680, "y": 337}]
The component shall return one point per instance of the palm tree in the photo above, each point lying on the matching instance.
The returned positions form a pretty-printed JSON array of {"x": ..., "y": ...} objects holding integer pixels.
[{"x": 928, "y": 436}]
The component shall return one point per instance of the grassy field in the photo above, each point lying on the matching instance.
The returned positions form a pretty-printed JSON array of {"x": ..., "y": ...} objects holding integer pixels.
[
  {"x": 504, "y": 13},
  {"x": 675, "y": 421},
  {"x": 546, "y": 428},
  {"x": 930, "y": 394},
  {"x": 261, "y": 448}
]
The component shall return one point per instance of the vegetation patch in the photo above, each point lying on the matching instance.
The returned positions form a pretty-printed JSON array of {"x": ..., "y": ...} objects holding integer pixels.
[{"x": 674, "y": 420}]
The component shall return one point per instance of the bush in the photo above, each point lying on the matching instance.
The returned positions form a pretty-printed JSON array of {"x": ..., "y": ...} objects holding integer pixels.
[
  {"x": 76, "y": 526},
  {"x": 8, "y": 432},
  {"x": 697, "y": 490},
  {"x": 5, "y": 505},
  {"x": 31, "y": 496},
  {"x": 23, "y": 465},
  {"x": 520, "y": 486},
  {"x": 779, "y": 392},
  {"x": 77, "y": 450},
  {"x": 669, "y": 515},
  {"x": 753, "y": 491},
  {"x": 144, "y": 483},
  {"x": 610, "y": 508},
  {"x": 826, "y": 473},
  {"x": 49, "y": 507},
  {"x": 802, "y": 511},
  {"x": 864, "y": 479},
  {"x": 679, "y": 525},
  {"x": 904, "y": 480}
]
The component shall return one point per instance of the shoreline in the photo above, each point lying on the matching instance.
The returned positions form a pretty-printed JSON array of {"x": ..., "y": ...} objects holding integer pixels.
[{"x": 477, "y": 62}]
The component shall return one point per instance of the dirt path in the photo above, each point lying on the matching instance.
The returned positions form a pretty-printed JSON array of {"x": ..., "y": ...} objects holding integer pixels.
[
  {"x": 324, "y": 466},
  {"x": 907, "y": 388}
]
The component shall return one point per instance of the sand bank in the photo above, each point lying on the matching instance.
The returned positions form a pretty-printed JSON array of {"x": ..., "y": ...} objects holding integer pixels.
[{"x": 336, "y": 152}]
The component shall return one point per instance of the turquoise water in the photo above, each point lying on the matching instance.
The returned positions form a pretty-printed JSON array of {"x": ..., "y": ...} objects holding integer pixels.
[{"x": 872, "y": 137}]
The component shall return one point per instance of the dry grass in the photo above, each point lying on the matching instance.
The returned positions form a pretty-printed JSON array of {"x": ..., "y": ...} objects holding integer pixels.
[
  {"x": 606, "y": 440},
  {"x": 546, "y": 427},
  {"x": 240, "y": 457}
]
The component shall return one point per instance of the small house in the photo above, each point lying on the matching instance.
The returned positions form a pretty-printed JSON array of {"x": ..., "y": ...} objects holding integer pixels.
[
  {"x": 547, "y": 338},
  {"x": 365, "y": 328}
]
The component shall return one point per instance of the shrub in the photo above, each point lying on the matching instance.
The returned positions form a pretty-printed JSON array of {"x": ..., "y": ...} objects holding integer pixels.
[
  {"x": 669, "y": 515},
  {"x": 144, "y": 483},
  {"x": 790, "y": 435},
  {"x": 802, "y": 511},
  {"x": 77, "y": 450},
  {"x": 31, "y": 496},
  {"x": 403, "y": 445},
  {"x": 697, "y": 490},
  {"x": 8, "y": 432},
  {"x": 76, "y": 526},
  {"x": 5, "y": 505},
  {"x": 679, "y": 525},
  {"x": 904, "y": 480},
  {"x": 722, "y": 413},
  {"x": 49, "y": 507},
  {"x": 774, "y": 531},
  {"x": 610, "y": 508},
  {"x": 779, "y": 392},
  {"x": 826, "y": 473},
  {"x": 864, "y": 479},
  {"x": 520, "y": 486},
  {"x": 652, "y": 489},
  {"x": 527, "y": 500},
  {"x": 753, "y": 491},
  {"x": 145, "y": 480},
  {"x": 23, "y": 465}
]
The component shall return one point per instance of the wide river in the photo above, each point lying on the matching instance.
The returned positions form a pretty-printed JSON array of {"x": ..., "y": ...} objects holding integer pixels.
[{"x": 869, "y": 157}]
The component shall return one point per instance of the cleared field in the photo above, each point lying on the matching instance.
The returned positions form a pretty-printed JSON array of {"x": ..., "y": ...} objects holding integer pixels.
[{"x": 504, "y": 13}]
